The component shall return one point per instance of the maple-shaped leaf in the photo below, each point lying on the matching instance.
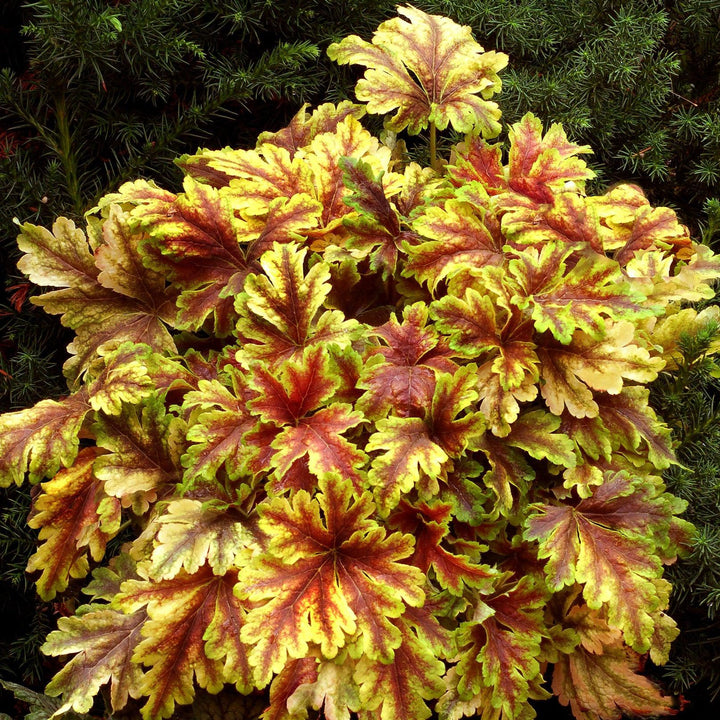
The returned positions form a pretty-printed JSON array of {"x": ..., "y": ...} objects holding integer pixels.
[
  {"x": 608, "y": 685},
  {"x": 302, "y": 129},
  {"x": 500, "y": 646},
  {"x": 562, "y": 299},
  {"x": 538, "y": 165},
  {"x": 572, "y": 372},
  {"x": 430, "y": 70},
  {"x": 293, "y": 397},
  {"x": 124, "y": 379},
  {"x": 463, "y": 491},
  {"x": 280, "y": 309},
  {"x": 407, "y": 452},
  {"x": 415, "y": 446},
  {"x": 376, "y": 231},
  {"x": 102, "y": 641},
  {"x": 250, "y": 179},
  {"x": 606, "y": 543},
  {"x": 133, "y": 372},
  {"x": 428, "y": 523},
  {"x": 499, "y": 405},
  {"x": 41, "y": 439},
  {"x": 106, "y": 303},
  {"x": 401, "y": 375},
  {"x": 477, "y": 325},
  {"x": 192, "y": 534},
  {"x": 191, "y": 634},
  {"x": 139, "y": 197},
  {"x": 631, "y": 421},
  {"x": 537, "y": 161},
  {"x": 509, "y": 474},
  {"x": 331, "y": 576},
  {"x": 458, "y": 239},
  {"x": 76, "y": 519},
  {"x": 287, "y": 220},
  {"x": 398, "y": 690},
  {"x": 144, "y": 445}
]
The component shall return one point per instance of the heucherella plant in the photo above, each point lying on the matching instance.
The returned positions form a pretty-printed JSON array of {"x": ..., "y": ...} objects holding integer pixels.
[{"x": 370, "y": 437}]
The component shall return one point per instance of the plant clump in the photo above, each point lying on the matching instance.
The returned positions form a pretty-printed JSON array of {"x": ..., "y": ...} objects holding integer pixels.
[{"x": 375, "y": 436}]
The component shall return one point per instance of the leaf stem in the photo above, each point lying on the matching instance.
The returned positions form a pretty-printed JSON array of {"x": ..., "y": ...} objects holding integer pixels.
[{"x": 433, "y": 148}]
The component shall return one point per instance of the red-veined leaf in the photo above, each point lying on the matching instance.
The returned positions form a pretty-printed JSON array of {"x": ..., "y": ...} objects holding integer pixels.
[
  {"x": 76, "y": 519},
  {"x": 430, "y": 69},
  {"x": 607, "y": 543},
  {"x": 428, "y": 524},
  {"x": 326, "y": 581},
  {"x": 562, "y": 299},
  {"x": 293, "y": 398},
  {"x": 103, "y": 642},
  {"x": 192, "y": 534},
  {"x": 404, "y": 380},
  {"x": 398, "y": 690},
  {"x": 280, "y": 310},
  {"x": 458, "y": 239},
  {"x": 192, "y": 634},
  {"x": 608, "y": 685},
  {"x": 41, "y": 439},
  {"x": 500, "y": 646},
  {"x": 631, "y": 421},
  {"x": 144, "y": 445}
]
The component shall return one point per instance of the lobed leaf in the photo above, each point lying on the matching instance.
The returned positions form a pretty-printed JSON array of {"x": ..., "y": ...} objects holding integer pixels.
[
  {"x": 404, "y": 380},
  {"x": 106, "y": 304},
  {"x": 605, "y": 542},
  {"x": 192, "y": 535},
  {"x": 430, "y": 70},
  {"x": 500, "y": 646},
  {"x": 562, "y": 299},
  {"x": 218, "y": 432},
  {"x": 326, "y": 583},
  {"x": 76, "y": 518},
  {"x": 279, "y": 309},
  {"x": 192, "y": 633},
  {"x": 573, "y": 373},
  {"x": 331, "y": 688},
  {"x": 38, "y": 441},
  {"x": 458, "y": 240},
  {"x": 144, "y": 445},
  {"x": 295, "y": 403},
  {"x": 608, "y": 685},
  {"x": 103, "y": 642},
  {"x": 302, "y": 129},
  {"x": 398, "y": 690}
]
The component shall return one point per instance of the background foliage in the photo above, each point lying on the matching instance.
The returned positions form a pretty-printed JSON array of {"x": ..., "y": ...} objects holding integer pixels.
[{"x": 93, "y": 93}]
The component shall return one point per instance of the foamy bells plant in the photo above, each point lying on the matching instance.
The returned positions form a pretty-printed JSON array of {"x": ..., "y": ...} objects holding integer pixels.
[{"x": 377, "y": 434}]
